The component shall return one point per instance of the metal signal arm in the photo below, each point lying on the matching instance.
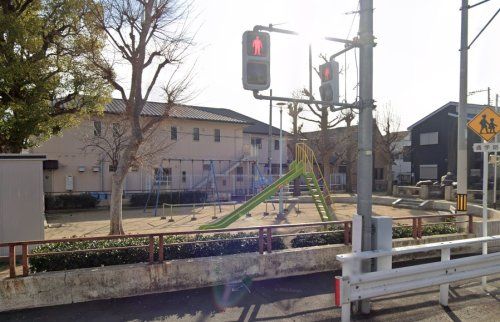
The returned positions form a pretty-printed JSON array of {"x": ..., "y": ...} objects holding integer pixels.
[{"x": 342, "y": 106}]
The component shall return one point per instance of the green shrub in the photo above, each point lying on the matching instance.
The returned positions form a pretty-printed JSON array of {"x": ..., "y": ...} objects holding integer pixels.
[
  {"x": 400, "y": 231},
  {"x": 173, "y": 197},
  {"x": 440, "y": 229},
  {"x": 70, "y": 201},
  {"x": 224, "y": 245},
  {"x": 334, "y": 237}
]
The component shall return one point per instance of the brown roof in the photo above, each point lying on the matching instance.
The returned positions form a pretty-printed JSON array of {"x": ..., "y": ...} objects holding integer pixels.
[{"x": 117, "y": 106}]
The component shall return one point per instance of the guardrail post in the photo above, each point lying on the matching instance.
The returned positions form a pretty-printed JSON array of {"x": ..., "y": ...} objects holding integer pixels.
[
  {"x": 12, "y": 261},
  {"x": 269, "y": 242},
  {"x": 25, "y": 259},
  {"x": 414, "y": 228},
  {"x": 161, "y": 254},
  {"x": 444, "y": 288},
  {"x": 471, "y": 224},
  {"x": 261, "y": 240},
  {"x": 419, "y": 227},
  {"x": 151, "y": 249}
]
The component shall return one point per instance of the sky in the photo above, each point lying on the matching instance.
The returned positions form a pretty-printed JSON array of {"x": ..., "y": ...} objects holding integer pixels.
[{"x": 416, "y": 59}]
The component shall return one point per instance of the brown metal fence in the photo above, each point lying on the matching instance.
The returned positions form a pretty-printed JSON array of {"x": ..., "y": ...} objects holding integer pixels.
[{"x": 264, "y": 236}]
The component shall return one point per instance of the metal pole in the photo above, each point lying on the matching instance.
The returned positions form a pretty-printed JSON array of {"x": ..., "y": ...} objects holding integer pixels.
[
  {"x": 462, "y": 107},
  {"x": 485, "y": 208},
  {"x": 270, "y": 139},
  {"x": 281, "y": 213},
  {"x": 310, "y": 72},
  {"x": 365, "y": 153},
  {"x": 495, "y": 164}
]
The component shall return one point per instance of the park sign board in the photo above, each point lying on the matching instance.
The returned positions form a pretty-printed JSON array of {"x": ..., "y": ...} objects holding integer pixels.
[{"x": 486, "y": 124}]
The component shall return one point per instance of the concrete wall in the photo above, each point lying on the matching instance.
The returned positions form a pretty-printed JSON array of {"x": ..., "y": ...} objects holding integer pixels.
[
  {"x": 56, "y": 288},
  {"x": 21, "y": 198},
  {"x": 493, "y": 229}
]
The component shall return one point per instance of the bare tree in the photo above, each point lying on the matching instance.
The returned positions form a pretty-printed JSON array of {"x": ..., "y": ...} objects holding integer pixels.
[
  {"x": 143, "y": 34},
  {"x": 294, "y": 110},
  {"x": 321, "y": 140},
  {"x": 389, "y": 123},
  {"x": 111, "y": 139}
]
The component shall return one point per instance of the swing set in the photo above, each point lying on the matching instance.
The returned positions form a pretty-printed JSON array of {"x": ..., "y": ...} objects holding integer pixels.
[{"x": 208, "y": 182}]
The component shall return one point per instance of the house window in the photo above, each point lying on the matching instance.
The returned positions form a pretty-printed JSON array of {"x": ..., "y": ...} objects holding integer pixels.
[
  {"x": 116, "y": 130},
  {"x": 206, "y": 167},
  {"x": 429, "y": 138},
  {"x": 378, "y": 173},
  {"x": 407, "y": 153},
  {"x": 183, "y": 176},
  {"x": 97, "y": 128},
  {"x": 173, "y": 133},
  {"x": 217, "y": 135},
  {"x": 275, "y": 168},
  {"x": 276, "y": 144},
  {"x": 239, "y": 174},
  {"x": 112, "y": 168},
  {"x": 196, "y": 134},
  {"x": 256, "y": 143},
  {"x": 428, "y": 171}
]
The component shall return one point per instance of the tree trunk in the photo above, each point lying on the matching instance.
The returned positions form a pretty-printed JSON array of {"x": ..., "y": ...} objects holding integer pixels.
[
  {"x": 117, "y": 183},
  {"x": 389, "y": 178},
  {"x": 348, "y": 178},
  {"x": 115, "y": 206}
]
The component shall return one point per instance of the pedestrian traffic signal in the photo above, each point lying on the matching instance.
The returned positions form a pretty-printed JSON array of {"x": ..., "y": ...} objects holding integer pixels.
[
  {"x": 256, "y": 60},
  {"x": 329, "y": 74}
]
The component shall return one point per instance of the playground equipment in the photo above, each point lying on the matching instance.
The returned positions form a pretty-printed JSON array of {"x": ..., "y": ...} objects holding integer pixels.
[
  {"x": 212, "y": 183},
  {"x": 155, "y": 188},
  {"x": 304, "y": 165},
  {"x": 259, "y": 181}
]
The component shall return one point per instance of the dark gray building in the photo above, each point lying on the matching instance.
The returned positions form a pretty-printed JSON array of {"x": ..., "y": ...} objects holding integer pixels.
[{"x": 434, "y": 144}]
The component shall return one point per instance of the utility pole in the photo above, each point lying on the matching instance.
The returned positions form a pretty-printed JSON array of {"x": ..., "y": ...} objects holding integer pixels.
[
  {"x": 365, "y": 132},
  {"x": 462, "y": 109},
  {"x": 270, "y": 139},
  {"x": 496, "y": 163}
]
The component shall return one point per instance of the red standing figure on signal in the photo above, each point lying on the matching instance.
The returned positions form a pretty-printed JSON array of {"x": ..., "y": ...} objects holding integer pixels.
[
  {"x": 326, "y": 73},
  {"x": 257, "y": 46}
]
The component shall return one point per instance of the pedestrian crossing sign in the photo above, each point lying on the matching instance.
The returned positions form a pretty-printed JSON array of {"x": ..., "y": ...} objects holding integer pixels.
[{"x": 486, "y": 124}]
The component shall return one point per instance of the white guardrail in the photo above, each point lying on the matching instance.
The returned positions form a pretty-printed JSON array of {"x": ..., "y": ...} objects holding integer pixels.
[{"x": 354, "y": 286}]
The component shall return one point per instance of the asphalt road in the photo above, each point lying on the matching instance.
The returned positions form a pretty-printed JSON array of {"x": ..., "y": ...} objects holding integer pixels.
[{"x": 303, "y": 298}]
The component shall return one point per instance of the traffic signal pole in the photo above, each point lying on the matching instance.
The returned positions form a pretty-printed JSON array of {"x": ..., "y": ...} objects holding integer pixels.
[
  {"x": 365, "y": 132},
  {"x": 462, "y": 107}
]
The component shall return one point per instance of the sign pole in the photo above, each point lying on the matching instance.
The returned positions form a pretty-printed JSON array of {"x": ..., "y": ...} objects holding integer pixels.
[{"x": 485, "y": 208}]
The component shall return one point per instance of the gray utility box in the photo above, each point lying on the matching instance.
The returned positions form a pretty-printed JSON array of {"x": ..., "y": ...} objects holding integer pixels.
[{"x": 21, "y": 198}]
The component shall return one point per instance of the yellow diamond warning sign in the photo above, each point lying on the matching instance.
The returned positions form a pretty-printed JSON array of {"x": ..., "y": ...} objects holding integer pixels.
[{"x": 486, "y": 124}]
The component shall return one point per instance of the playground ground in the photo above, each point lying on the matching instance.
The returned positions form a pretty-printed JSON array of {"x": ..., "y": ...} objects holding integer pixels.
[{"x": 96, "y": 223}]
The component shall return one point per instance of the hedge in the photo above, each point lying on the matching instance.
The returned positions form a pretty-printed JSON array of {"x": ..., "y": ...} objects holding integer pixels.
[
  {"x": 225, "y": 245},
  {"x": 70, "y": 201},
  {"x": 334, "y": 237},
  {"x": 400, "y": 231},
  {"x": 179, "y": 197}
]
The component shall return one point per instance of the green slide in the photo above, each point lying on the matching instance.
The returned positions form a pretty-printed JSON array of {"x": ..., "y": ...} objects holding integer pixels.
[{"x": 296, "y": 170}]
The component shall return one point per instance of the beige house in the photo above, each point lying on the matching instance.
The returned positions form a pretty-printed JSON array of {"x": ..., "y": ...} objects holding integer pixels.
[{"x": 196, "y": 146}]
